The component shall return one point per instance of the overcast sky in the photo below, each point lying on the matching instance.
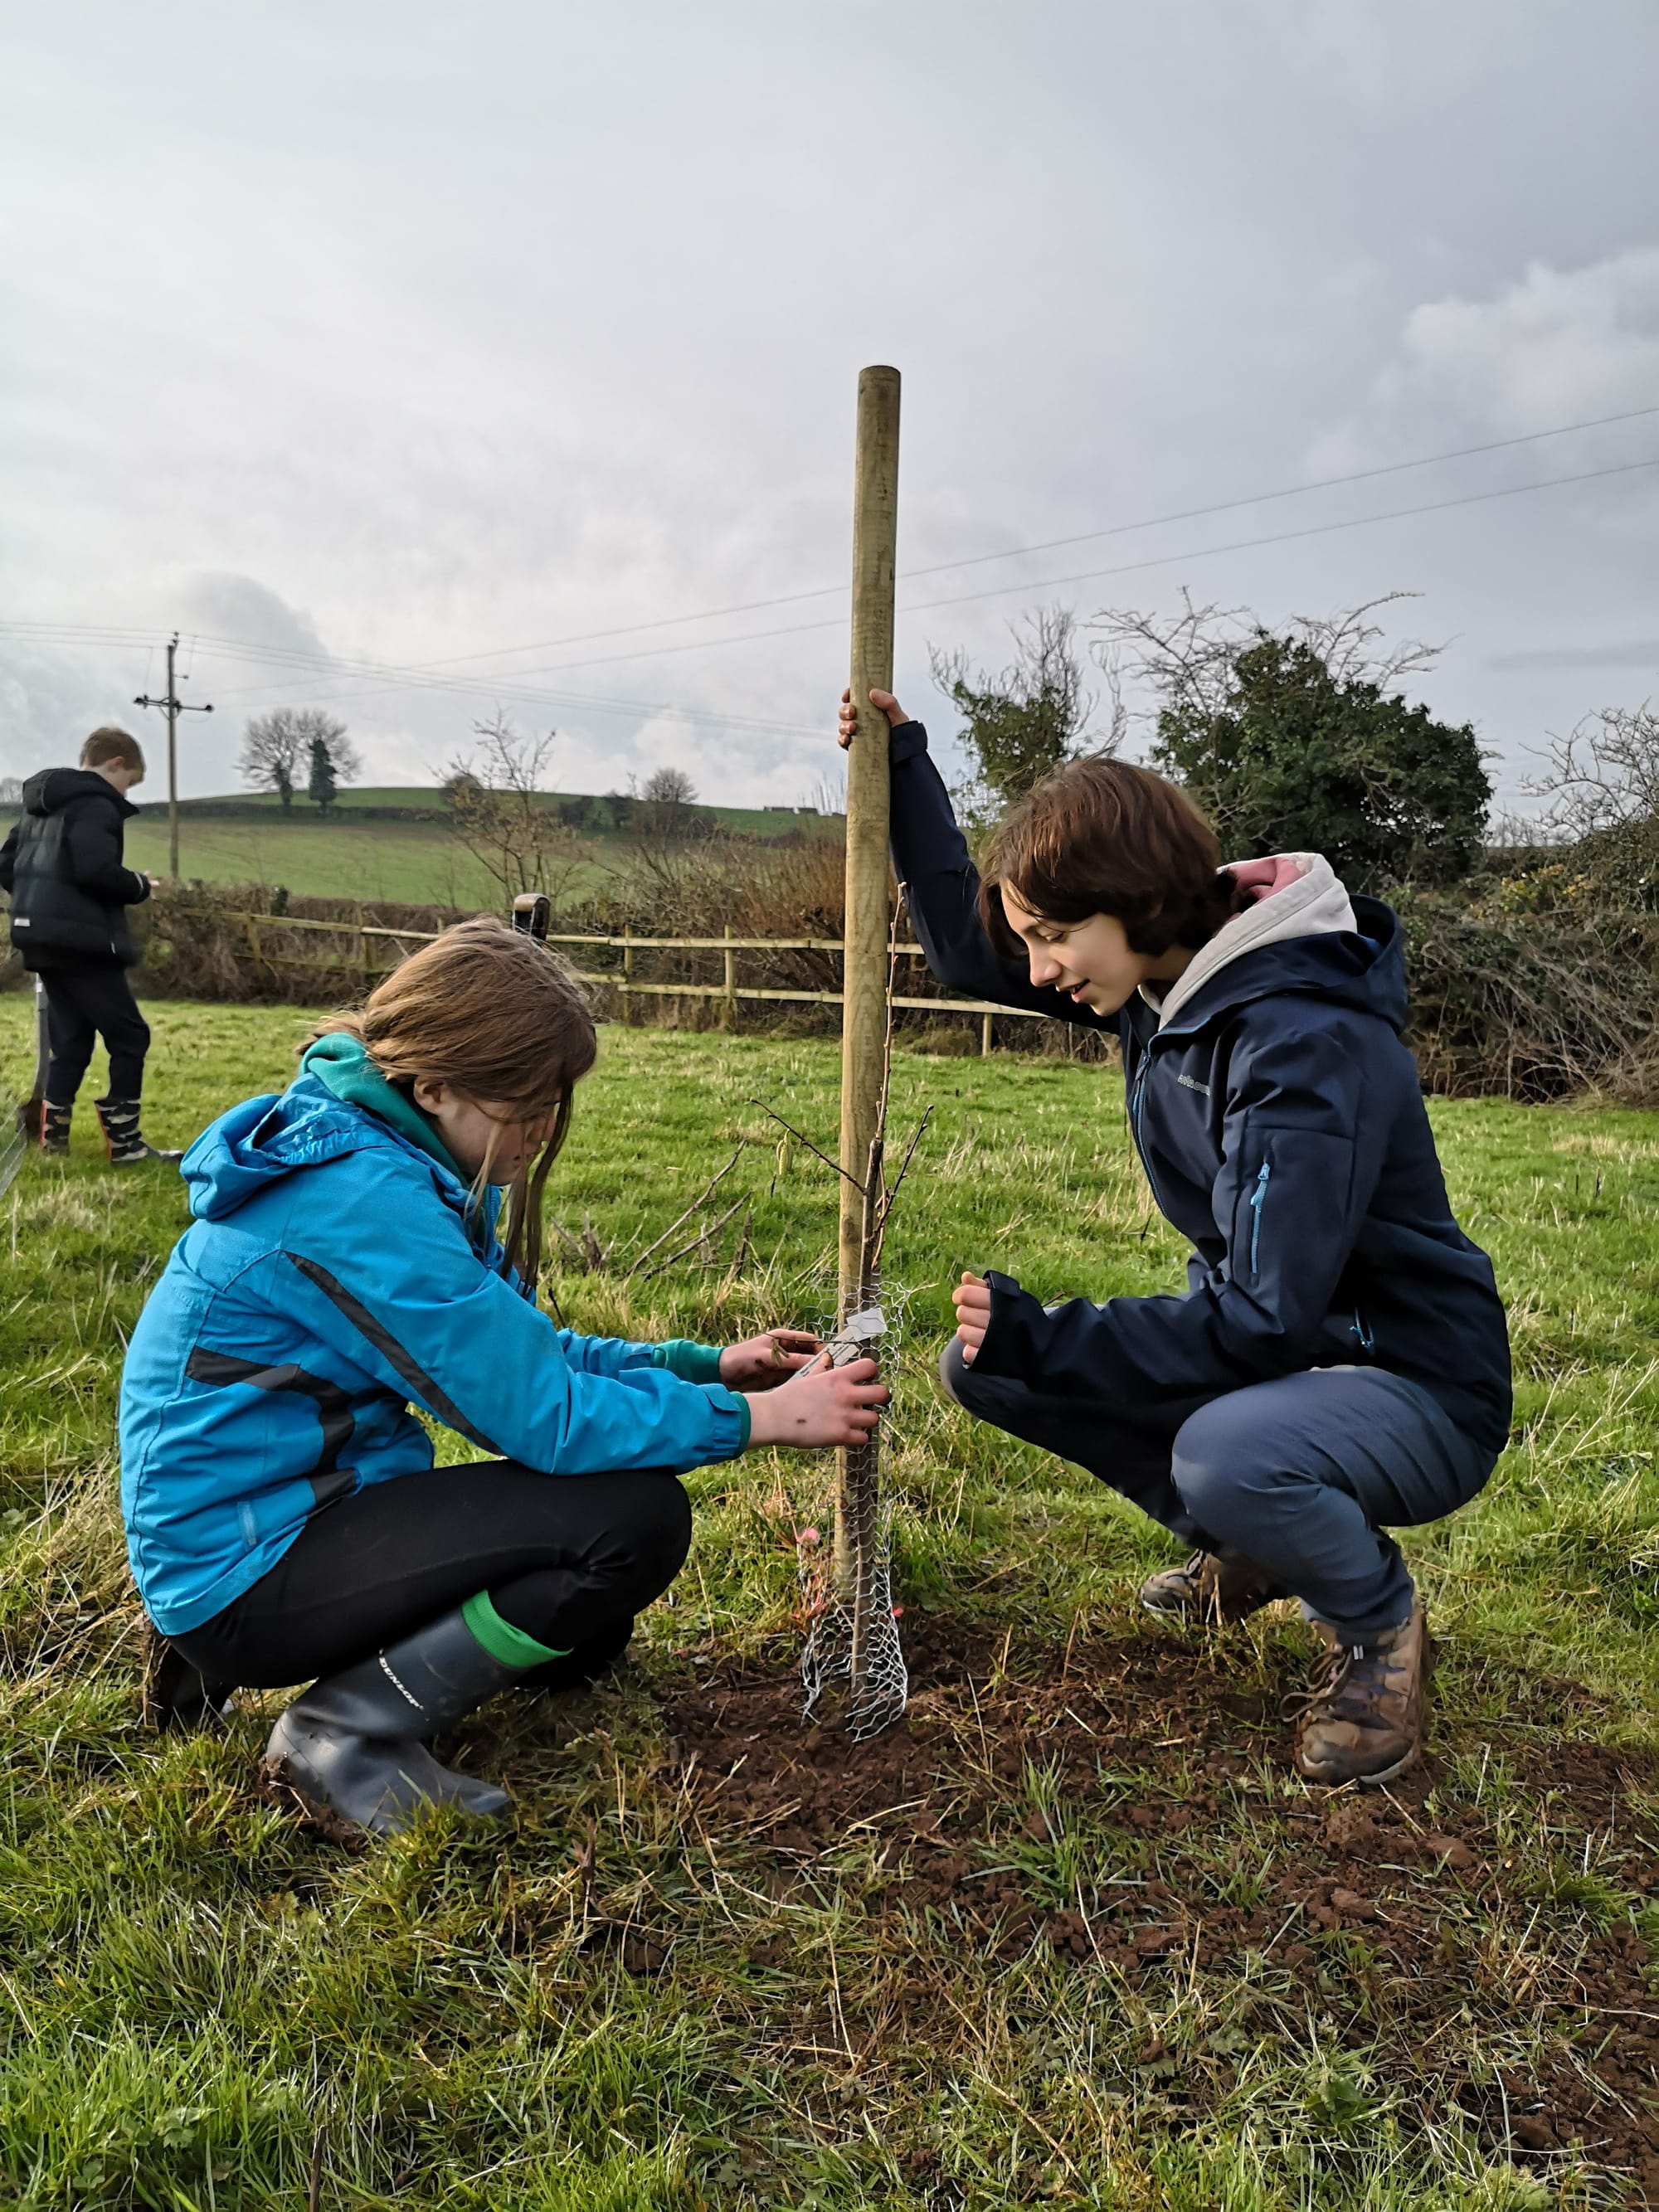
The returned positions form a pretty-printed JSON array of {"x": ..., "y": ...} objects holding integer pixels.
[{"x": 412, "y": 334}]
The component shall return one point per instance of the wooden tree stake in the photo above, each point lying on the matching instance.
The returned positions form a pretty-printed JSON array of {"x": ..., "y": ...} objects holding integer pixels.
[{"x": 865, "y": 969}]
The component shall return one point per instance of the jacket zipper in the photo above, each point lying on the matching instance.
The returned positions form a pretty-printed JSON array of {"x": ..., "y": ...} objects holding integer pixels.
[
  {"x": 1135, "y": 1097},
  {"x": 1256, "y": 1197}
]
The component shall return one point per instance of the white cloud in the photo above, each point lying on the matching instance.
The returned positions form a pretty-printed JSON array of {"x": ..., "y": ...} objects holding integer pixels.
[{"x": 1556, "y": 346}]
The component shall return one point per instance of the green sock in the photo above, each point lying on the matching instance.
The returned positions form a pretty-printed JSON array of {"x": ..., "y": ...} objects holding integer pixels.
[{"x": 500, "y": 1639}]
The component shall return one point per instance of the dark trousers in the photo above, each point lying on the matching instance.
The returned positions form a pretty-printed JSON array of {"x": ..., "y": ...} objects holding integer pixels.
[
  {"x": 83, "y": 1003},
  {"x": 1303, "y": 1475},
  {"x": 568, "y": 1558}
]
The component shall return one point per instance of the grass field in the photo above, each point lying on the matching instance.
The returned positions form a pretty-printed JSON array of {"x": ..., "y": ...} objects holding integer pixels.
[
  {"x": 1071, "y": 1934},
  {"x": 346, "y": 855},
  {"x": 416, "y": 863}
]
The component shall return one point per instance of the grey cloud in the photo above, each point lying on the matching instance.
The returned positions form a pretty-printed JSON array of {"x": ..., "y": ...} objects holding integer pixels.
[
  {"x": 460, "y": 330},
  {"x": 1635, "y": 653}
]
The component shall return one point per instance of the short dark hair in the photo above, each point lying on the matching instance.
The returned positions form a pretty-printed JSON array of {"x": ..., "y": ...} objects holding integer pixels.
[
  {"x": 107, "y": 744},
  {"x": 1102, "y": 837}
]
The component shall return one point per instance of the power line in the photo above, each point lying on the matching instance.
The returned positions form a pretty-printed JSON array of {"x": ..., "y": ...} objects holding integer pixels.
[
  {"x": 1125, "y": 568},
  {"x": 1053, "y": 544},
  {"x": 403, "y": 678},
  {"x": 427, "y": 675},
  {"x": 941, "y": 568},
  {"x": 1034, "y": 584}
]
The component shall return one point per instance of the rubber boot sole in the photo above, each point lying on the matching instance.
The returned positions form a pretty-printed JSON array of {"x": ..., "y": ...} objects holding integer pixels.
[{"x": 278, "y": 1784}]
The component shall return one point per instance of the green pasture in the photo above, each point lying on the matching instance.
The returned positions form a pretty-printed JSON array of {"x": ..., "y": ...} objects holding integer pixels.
[
  {"x": 204, "y": 2006},
  {"x": 412, "y": 863},
  {"x": 387, "y": 843}
]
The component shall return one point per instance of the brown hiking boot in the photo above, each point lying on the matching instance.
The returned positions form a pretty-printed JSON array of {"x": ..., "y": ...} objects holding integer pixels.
[
  {"x": 1213, "y": 1587},
  {"x": 1363, "y": 1718}
]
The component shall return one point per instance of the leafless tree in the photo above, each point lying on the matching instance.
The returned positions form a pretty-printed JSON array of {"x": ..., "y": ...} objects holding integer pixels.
[
  {"x": 1603, "y": 775},
  {"x": 663, "y": 804},
  {"x": 499, "y": 810},
  {"x": 276, "y": 754},
  {"x": 1185, "y": 660},
  {"x": 669, "y": 787},
  {"x": 1021, "y": 722}
]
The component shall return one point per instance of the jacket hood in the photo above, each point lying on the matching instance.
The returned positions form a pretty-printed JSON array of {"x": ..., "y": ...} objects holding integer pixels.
[
  {"x": 51, "y": 789},
  {"x": 341, "y": 1064},
  {"x": 253, "y": 1146},
  {"x": 1301, "y": 931}
]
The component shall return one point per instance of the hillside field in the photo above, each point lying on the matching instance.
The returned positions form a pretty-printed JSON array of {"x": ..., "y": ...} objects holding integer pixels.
[
  {"x": 1071, "y": 1934},
  {"x": 389, "y": 844}
]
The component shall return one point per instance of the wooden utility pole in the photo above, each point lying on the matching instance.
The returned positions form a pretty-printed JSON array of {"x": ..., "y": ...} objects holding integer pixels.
[
  {"x": 865, "y": 965},
  {"x": 173, "y": 706}
]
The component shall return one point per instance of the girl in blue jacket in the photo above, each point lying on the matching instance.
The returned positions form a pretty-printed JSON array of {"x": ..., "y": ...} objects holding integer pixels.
[
  {"x": 1340, "y": 1363},
  {"x": 284, "y": 1517}
]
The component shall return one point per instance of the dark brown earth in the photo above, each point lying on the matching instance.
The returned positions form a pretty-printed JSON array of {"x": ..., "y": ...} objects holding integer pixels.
[{"x": 1388, "y": 1898}]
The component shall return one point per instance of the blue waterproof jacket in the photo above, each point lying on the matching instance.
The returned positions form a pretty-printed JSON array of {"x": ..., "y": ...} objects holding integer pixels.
[
  {"x": 1280, "y": 1121},
  {"x": 331, "y": 1281}
]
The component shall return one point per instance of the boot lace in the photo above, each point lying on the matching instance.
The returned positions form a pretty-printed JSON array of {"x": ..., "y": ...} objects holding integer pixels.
[{"x": 1332, "y": 1673}]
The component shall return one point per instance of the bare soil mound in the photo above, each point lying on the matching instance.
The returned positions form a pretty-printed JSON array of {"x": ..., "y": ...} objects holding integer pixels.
[{"x": 1400, "y": 1909}]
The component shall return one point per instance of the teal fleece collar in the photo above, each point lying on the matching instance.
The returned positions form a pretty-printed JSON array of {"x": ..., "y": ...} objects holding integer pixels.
[{"x": 341, "y": 1064}]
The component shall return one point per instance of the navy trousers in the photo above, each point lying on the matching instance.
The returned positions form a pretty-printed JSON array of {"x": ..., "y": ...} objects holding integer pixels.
[{"x": 1303, "y": 1475}]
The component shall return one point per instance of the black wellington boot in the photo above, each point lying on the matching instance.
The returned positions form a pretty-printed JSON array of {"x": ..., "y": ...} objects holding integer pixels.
[
  {"x": 355, "y": 1747},
  {"x": 123, "y": 1138},
  {"x": 55, "y": 1127}
]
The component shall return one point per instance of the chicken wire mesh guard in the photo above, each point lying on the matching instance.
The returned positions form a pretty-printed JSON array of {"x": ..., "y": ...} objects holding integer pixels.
[{"x": 852, "y": 1636}]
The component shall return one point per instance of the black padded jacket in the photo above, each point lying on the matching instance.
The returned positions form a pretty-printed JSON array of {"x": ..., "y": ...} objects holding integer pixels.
[{"x": 63, "y": 867}]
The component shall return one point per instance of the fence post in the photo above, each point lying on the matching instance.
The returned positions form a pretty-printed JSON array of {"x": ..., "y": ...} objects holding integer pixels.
[
  {"x": 628, "y": 974},
  {"x": 729, "y": 1015},
  {"x": 864, "y": 956},
  {"x": 985, "y": 1038}
]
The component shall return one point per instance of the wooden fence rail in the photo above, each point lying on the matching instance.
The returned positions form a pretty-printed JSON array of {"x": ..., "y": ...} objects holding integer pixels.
[{"x": 622, "y": 979}]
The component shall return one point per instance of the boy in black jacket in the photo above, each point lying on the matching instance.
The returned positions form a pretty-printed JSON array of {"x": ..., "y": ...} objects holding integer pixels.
[
  {"x": 70, "y": 891},
  {"x": 1339, "y": 1362}
]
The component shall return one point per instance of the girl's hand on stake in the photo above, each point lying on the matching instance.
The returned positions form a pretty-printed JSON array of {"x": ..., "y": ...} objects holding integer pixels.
[
  {"x": 761, "y": 1362},
  {"x": 823, "y": 1405},
  {"x": 883, "y": 700},
  {"x": 972, "y": 1300}
]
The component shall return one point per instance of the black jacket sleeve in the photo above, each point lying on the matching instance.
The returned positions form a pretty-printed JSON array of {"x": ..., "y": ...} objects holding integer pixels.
[
  {"x": 8, "y": 860},
  {"x": 1303, "y": 1142},
  {"x": 941, "y": 890},
  {"x": 91, "y": 846}
]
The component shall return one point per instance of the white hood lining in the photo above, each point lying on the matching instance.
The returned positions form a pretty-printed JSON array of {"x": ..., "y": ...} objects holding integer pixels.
[{"x": 1313, "y": 905}]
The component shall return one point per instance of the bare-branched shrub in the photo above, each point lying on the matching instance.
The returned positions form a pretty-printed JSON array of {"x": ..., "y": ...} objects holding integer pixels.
[
  {"x": 500, "y": 812},
  {"x": 1532, "y": 1003}
]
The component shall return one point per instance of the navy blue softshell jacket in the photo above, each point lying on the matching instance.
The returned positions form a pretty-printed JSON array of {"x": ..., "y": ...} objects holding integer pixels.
[{"x": 1280, "y": 1121}]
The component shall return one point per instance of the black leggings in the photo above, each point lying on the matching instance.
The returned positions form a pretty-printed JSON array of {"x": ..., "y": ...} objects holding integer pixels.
[
  {"x": 568, "y": 1558},
  {"x": 83, "y": 1003}
]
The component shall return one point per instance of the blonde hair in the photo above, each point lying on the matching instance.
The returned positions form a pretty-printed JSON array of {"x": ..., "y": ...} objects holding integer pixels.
[{"x": 501, "y": 1017}]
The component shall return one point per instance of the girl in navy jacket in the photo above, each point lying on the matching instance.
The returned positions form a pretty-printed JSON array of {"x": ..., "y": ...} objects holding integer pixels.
[
  {"x": 1338, "y": 1363},
  {"x": 284, "y": 1515}
]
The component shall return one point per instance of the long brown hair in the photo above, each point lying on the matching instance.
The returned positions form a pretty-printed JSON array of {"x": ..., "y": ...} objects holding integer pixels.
[
  {"x": 503, "y": 1019},
  {"x": 1104, "y": 836}
]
